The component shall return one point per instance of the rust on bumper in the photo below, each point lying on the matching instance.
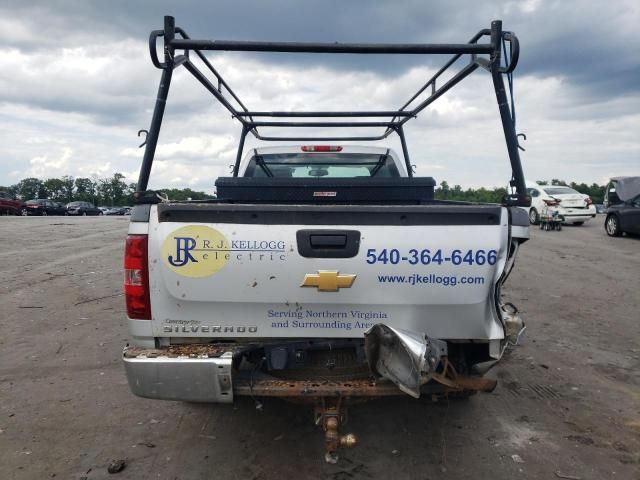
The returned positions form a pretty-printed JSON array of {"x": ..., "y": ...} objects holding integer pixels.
[
  {"x": 270, "y": 387},
  {"x": 195, "y": 350},
  {"x": 260, "y": 385}
]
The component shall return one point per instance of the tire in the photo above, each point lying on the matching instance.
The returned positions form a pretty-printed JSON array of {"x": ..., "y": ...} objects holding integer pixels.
[
  {"x": 24, "y": 212},
  {"x": 577, "y": 224},
  {"x": 100, "y": 214},
  {"x": 612, "y": 226},
  {"x": 533, "y": 216},
  {"x": 84, "y": 214},
  {"x": 44, "y": 213}
]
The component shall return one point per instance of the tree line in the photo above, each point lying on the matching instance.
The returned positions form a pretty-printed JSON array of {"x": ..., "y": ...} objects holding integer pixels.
[
  {"x": 111, "y": 191},
  {"x": 114, "y": 191}
]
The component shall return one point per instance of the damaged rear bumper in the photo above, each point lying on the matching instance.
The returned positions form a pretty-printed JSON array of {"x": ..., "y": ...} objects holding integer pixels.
[
  {"x": 196, "y": 374},
  {"x": 205, "y": 373}
]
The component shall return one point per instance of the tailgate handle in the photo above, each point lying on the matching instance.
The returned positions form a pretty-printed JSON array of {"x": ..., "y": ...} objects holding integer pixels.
[{"x": 328, "y": 243}]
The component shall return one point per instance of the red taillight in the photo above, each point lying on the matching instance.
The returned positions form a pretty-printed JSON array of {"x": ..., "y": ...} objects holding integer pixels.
[
  {"x": 321, "y": 148},
  {"x": 551, "y": 202},
  {"x": 136, "y": 277}
]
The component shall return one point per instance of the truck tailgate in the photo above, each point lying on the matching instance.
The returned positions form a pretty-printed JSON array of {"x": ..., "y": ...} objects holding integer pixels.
[{"x": 221, "y": 270}]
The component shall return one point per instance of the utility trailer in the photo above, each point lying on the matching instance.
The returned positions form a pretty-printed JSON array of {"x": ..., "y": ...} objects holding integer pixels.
[{"x": 325, "y": 273}]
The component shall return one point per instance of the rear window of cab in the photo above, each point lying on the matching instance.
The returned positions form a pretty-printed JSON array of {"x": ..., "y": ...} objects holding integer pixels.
[{"x": 322, "y": 165}]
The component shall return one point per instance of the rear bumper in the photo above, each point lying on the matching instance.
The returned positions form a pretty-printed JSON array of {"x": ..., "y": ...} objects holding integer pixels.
[
  {"x": 577, "y": 218},
  {"x": 203, "y": 373},
  {"x": 190, "y": 378},
  {"x": 573, "y": 215}
]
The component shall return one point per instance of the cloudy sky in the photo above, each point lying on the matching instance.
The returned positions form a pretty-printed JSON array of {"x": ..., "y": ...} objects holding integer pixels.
[{"x": 76, "y": 84}]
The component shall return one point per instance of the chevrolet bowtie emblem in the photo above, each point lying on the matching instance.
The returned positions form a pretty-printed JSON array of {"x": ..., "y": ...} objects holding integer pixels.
[{"x": 328, "y": 280}]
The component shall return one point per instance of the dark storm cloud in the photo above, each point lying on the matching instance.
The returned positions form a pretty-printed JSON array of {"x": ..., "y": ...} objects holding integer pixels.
[{"x": 593, "y": 44}]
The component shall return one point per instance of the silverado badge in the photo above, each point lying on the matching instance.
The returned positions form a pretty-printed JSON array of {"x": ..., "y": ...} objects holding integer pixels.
[{"x": 328, "y": 280}]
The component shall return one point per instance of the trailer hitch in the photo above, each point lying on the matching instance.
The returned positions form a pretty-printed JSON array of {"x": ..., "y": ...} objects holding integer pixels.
[{"x": 330, "y": 414}]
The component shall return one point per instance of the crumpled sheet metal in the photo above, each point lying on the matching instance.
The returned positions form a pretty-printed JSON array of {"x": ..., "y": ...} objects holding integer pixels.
[{"x": 404, "y": 357}]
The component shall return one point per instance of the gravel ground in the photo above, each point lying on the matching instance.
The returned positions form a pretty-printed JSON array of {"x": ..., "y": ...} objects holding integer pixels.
[{"x": 567, "y": 403}]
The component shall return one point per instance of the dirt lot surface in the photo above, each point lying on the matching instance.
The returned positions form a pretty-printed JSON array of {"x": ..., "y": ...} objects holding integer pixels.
[{"x": 567, "y": 404}]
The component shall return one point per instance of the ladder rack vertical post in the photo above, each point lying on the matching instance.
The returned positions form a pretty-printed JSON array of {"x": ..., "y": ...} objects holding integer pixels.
[
  {"x": 405, "y": 151},
  {"x": 158, "y": 111},
  {"x": 236, "y": 167},
  {"x": 505, "y": 114}
]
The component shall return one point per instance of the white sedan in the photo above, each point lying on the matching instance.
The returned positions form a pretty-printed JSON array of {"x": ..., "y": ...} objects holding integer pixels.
[{"x": 574, "y": 207}]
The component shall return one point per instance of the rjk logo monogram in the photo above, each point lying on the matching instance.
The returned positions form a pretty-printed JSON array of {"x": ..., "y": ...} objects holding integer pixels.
[
  {"x": 184, "y": 245},
  {"x": 195, "y": 251}
]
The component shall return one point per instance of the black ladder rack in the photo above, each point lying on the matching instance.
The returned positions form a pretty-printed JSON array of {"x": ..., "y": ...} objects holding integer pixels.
[{"x": 391, "y": 121}]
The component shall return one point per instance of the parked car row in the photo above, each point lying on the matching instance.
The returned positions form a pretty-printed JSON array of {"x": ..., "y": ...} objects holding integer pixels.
[
  {"x": 572, "y": 206},
  {"x": 9, "y": 205},
  {"x": 621, "y": 208}
]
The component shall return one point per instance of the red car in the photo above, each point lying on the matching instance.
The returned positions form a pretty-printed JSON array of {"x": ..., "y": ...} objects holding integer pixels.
[{"x": 10, "y": 205}]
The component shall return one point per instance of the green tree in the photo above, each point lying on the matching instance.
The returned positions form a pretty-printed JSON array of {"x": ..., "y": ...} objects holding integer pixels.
[
  {"x": 104, "y": 192},
  {"x": 443, "y": 191},
  {"x": 67, "y": 186},
  {"x": 55, "y": 189},
  {"x": 118, "y": 189},
  {"x": 30, "y": 188},
  {"x": 178, "y": 194},
  {"x": 131, "y": 189},
  {"x": 85, "y": 190},
  {"x": 11, "y": 190}
]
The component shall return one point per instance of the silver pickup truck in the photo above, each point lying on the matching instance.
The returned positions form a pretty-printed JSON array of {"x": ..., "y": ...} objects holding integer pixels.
[{"x": 324, "y": 270}]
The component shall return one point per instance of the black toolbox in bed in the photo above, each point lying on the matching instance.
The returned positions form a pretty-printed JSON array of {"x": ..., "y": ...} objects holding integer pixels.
[{"x": 414, "y": 190}]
